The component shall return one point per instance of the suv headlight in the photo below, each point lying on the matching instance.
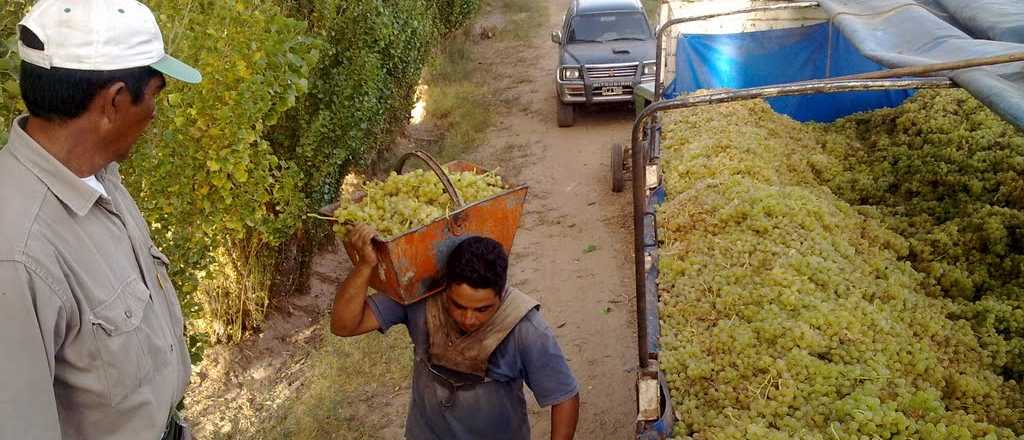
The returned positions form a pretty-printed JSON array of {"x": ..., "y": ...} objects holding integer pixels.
[
  {"x": 649, "y": 68},
  {"x": 569, "y": 73}
]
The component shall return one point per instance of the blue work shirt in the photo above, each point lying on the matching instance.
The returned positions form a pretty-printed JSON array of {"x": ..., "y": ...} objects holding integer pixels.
[{"x": 495, "y": 409}]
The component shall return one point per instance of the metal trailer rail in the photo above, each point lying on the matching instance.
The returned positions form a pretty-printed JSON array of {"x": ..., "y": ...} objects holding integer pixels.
[{"x": 644, "y": 149}]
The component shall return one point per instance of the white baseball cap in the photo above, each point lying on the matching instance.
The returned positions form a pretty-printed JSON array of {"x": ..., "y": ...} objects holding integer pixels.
[{"x": 99, "y": 35}]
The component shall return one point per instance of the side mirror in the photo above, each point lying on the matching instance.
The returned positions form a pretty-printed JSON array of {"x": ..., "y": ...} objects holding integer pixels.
[{"x": 556, "y": 37}]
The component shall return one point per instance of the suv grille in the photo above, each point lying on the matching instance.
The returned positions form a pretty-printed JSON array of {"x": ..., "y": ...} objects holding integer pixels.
[{"x": 611, "y": 72}]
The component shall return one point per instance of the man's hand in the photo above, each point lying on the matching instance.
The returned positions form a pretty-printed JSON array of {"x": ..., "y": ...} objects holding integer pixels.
[
  {"x": 351, "y": 315},
  {"x": 361, "y": 239},
  {"x": 564, "y": 416}
]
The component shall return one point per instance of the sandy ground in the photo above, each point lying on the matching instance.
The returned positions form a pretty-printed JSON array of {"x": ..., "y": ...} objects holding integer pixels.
[
  {"x": 585, "y": 296},
  {"x": 573, "y": 253}
]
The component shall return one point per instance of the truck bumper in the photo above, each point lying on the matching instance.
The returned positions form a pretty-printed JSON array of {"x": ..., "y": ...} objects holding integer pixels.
[
  {"x": 580, "y": 93},
  {"x": 586, "y": 92}
]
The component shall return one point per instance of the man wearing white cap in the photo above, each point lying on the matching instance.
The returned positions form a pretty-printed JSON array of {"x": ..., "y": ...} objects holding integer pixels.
[{"x": 91, "y": 332}]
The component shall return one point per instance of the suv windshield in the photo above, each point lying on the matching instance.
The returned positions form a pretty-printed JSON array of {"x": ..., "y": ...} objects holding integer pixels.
[{"x": 609, "y": 27}]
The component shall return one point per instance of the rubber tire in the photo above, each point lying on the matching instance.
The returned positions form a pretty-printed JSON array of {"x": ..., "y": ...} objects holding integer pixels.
[
  {"x": 566, "y": 114},
  {"x": 618, "y": 172}
]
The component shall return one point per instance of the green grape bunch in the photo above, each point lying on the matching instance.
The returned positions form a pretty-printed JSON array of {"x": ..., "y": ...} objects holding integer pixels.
[{"x": 403, "y": 202}]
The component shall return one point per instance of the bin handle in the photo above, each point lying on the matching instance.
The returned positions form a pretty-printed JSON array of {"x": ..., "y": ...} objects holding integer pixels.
[{"x": 436, "y": 168}]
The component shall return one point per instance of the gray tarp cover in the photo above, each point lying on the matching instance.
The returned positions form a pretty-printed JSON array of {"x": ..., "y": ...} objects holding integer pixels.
[{"x": 900, "y": 33}]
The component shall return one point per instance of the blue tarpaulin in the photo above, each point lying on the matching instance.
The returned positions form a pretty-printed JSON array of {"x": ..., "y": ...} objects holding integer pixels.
[
  {"x": 866, "y": 35},
  {"x": 762, "y": 58}
]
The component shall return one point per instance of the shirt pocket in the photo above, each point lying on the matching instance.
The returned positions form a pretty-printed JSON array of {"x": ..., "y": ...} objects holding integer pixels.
[{"x": 116, "y": 328}]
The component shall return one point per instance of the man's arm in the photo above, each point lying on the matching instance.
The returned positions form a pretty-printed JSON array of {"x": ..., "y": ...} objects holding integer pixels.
[
  {"x": 564, "y": 416},
  {"x": 548, "y": 374},
  {"x": 31, "y": 327},
  {"x": 351, "y": 314}
]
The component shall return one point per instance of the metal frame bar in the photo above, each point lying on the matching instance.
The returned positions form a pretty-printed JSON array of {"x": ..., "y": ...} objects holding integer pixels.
[
  {"x": 614, "y": 65},
  {"x": 927, "y": 69},
  {"x": 639, "y": 161},
  {"x": 668, "y": 24}
]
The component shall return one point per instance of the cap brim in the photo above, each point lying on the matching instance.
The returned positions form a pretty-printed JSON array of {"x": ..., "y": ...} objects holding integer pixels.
[{"x": 173, "y": 68}]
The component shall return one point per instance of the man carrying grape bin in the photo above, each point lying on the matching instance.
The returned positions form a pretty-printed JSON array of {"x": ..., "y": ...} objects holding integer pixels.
[{"x": 476, "y": 343}]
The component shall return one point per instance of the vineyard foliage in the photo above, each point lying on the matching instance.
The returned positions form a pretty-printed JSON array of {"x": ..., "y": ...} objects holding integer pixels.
[
  {"x": 295, "y": 93},
  {"x": 453, "y": 14},
  {"x": 10, "y": 102},
  {"x": 362, "y": 88},
  {"x": 789, "y": 312},
  {"x": 206, "y": 176}
]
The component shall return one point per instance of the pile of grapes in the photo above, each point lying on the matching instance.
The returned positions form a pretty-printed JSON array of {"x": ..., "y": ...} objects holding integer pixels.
[
  {"x": 793, "y": 309},
  {"x": 948, "y": 175},
  {"x": 407, "y": 201}
]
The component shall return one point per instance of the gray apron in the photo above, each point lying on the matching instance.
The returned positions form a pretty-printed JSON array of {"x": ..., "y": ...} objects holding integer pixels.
[{"x": 461, "y": 403}]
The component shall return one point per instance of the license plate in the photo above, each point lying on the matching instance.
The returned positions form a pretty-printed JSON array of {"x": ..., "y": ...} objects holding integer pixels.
[{"x": 611, "y": 91}]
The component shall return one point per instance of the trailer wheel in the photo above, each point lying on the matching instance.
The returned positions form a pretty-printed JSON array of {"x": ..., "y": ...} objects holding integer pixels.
[
  {"x": 566, "y": 114},
  {"x": 618, "y": 165}
]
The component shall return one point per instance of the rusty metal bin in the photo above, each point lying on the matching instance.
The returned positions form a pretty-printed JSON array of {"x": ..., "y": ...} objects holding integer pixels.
[{"x": 411, "y": 263}]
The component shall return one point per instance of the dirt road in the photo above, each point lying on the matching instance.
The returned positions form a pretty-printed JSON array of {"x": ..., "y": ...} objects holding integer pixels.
[{"x": 574, "y": 249}]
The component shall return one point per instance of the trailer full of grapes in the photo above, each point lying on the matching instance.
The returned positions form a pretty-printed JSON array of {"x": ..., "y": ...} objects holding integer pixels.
[{"x": 858, "y": 86}]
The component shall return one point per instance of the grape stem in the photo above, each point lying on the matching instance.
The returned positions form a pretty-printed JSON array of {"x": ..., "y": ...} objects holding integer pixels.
[{"x": 333, "y": 219}]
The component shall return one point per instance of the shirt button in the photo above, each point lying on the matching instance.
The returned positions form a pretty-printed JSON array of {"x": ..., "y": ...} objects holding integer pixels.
[{"x": 128, "y": 314}]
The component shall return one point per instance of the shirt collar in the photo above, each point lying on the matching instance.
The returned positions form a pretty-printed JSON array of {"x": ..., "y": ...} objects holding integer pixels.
[{"x": 64, "y": 184}]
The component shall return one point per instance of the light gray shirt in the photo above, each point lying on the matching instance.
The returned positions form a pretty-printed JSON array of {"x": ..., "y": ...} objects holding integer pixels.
[{"x": 91, "y": 332}]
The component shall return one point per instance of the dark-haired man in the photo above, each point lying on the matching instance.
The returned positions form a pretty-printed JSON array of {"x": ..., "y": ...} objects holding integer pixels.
[
  {"x": 475, "y": 345},
  {"x": 90, "y": 326}
]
